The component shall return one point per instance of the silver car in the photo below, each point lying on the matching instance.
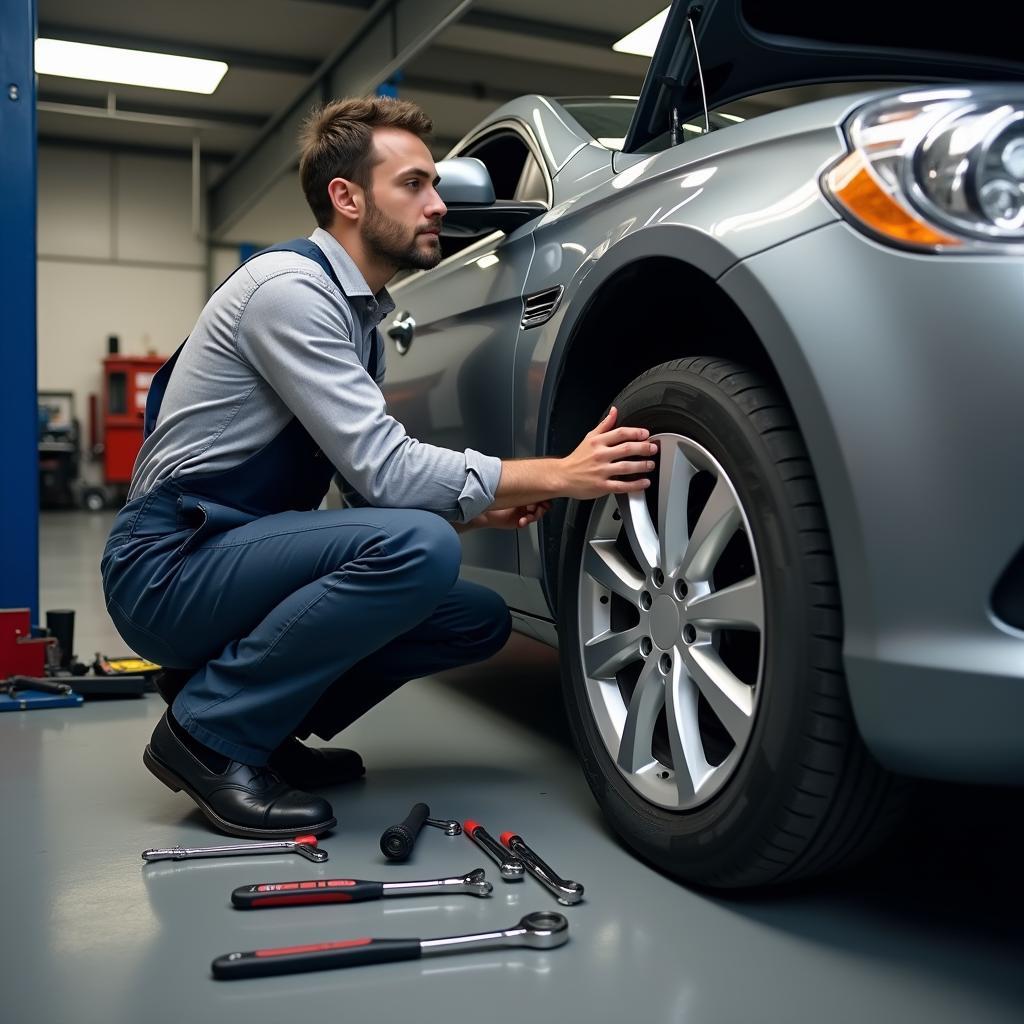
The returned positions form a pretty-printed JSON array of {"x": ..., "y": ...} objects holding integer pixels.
[{"x": 815, "y": 305}]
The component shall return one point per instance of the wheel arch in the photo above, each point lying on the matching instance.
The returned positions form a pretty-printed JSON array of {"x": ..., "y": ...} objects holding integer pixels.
[{"x": 595, "y": 356}]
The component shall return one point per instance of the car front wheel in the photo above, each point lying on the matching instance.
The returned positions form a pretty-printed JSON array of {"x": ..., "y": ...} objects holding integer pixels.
[{"x": 700, "y": 636}]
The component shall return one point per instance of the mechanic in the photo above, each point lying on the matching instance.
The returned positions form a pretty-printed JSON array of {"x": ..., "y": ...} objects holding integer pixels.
[{"x": 272, "y": 618}]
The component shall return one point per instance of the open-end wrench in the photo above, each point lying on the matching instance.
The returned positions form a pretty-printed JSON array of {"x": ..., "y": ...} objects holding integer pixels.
[
  {"x": 352, "y": 890},
  {"x": 511, "y": 868},
  {"x": 540, "y": 930},
  {"x": 565, "y": 891},
  {"x": 305, "y": 846}
]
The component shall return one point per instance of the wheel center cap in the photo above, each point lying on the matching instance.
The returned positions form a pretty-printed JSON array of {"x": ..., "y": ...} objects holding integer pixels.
[{"x": 665, "y": 629}]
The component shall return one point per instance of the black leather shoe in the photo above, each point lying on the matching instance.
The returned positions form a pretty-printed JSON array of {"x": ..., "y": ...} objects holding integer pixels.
[
  {"x": 301, "y": 766},
  {"x": 312, "y": 767},
  {"x": 241, "y": 801}
]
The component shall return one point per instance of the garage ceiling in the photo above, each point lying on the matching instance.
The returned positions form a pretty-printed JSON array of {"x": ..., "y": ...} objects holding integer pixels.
[{"x": 497, "y": 49}]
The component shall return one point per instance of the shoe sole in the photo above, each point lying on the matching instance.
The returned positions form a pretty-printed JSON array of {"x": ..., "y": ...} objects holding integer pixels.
[{"x": 177, "y": 784}]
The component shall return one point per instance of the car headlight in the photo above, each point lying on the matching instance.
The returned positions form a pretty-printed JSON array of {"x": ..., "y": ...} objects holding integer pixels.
[{"x": 940, "y": 170}]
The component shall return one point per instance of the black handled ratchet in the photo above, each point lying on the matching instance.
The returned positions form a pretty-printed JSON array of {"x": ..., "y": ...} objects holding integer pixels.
[
  {"x": 540, "y": 930},
  {"x": 352, "y": 890}
]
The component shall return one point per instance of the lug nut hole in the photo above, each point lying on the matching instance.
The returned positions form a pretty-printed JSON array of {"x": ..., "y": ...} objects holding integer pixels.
[
  {"x": 604, "y": 600},
  {"x": 646, "y": 646},
  {"x": 659, "y": 578},
  {"x": 645, "y": 601},
  {"x": 665, "y": 664},
  {"x": 681, "y": 589},
  {"x": 689, "y": 634}
]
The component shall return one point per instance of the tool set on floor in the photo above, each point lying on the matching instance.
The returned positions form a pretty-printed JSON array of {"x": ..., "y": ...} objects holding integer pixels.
[{"x": 513, "y": 857}]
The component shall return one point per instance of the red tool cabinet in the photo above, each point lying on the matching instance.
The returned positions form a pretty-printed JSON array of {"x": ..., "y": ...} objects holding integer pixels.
[{"x": 126, "y": 381}]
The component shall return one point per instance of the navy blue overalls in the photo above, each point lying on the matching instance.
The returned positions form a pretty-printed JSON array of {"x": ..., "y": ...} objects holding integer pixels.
[{"x": 295, "y": 620}]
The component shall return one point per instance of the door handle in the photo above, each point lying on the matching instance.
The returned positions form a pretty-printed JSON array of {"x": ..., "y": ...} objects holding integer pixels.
[{"x": 401, "y": 332}]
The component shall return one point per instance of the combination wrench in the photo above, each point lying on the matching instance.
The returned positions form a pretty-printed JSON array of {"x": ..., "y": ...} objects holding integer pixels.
[
  {"x": 511, "y": 868},
  {"x": 305, "y": 846},
  {"x": 566, "y": 892},
  {"x": 540, "y": 930},
  {"x": 352, "y": 890}
]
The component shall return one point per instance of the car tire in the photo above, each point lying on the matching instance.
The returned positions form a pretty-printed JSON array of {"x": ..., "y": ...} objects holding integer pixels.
[{"x": 789, "y": 790}]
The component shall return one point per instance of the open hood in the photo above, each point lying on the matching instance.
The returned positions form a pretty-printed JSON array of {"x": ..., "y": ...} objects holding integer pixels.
[{"x": 751, "y": 46}]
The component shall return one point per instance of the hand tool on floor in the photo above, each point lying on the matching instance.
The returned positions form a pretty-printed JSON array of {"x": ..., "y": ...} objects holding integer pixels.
[
  {"x": 565, "y": 891},
  {"x": 352, "y": 890},
  {"x": 305, "y": 846},
  {"x": 397, "y": 841},
  {"x": 511, "y": 867},
  {"x": 540, "y": 930}
]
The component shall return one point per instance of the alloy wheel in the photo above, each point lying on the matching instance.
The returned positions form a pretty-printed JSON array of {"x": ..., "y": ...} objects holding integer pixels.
[{"x": 671, "y": 626}]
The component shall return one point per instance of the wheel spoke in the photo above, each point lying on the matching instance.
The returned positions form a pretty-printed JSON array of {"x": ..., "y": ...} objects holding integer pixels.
[
  {"x": 691, "y": 765},
  {"x": 609, "y": 652},
  {"x": 740, "y": 606},
  {"x": 604, "y": 564},
  {"x": 643, "y": 537},
  {"x": 644, "y": 708},
  {"x": 716, "y": 524},
  {"x": 675, "y": 471},
  {"x": 731, "y": 700}
]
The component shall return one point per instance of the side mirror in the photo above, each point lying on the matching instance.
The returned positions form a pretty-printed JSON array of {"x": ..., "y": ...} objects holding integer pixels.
[{"x": 468, "y": 192}]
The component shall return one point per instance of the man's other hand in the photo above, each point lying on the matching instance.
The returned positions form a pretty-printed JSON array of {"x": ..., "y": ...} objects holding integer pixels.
[{"x": 506, "y": 518}]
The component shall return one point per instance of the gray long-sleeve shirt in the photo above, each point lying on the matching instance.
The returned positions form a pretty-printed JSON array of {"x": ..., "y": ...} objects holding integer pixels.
[{"x": 280, "y": 340}]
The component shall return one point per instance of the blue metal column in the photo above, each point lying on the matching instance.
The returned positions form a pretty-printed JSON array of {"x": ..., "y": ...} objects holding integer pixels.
[{"x": 19, "y": 429}]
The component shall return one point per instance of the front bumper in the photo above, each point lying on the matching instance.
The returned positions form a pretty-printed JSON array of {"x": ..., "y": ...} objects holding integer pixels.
[{"x": 905, "y": 373}]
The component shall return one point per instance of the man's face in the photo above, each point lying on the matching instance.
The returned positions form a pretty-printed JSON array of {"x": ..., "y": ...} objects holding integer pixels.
[{"x": 402, "y": 222}]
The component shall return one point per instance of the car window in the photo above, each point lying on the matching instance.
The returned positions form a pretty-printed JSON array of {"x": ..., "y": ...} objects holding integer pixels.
[{"x": 511, "y": 165}]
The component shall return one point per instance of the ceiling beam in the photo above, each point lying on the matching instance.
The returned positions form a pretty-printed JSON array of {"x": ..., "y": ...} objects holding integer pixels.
[
  {"x": 47, "y": 99},
  {"x": 392, "y": 33},
  {"x": 516, "y": 25}
]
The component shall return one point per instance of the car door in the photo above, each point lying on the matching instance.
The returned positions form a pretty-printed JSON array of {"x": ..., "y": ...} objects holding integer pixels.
[{"x": 451, "y": 342}]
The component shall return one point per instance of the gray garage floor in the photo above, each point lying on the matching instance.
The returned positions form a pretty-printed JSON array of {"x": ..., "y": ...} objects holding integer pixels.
[{"x": 931, "y": 931}]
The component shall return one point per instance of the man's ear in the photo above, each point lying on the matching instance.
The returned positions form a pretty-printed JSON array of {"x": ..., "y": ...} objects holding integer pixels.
[{"x": 346, "y": 198}]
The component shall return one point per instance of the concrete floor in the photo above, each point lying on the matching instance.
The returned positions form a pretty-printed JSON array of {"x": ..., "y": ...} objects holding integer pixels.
[{"x": 930, "y": 931}]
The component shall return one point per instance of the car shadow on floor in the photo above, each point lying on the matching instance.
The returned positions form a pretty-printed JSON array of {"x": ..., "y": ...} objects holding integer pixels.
[{"x": 521, "y": 682}]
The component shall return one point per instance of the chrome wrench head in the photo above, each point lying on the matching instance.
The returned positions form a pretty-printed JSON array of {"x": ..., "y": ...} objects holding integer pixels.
[
  {"x": 543, "y": 929},
  {"x": 474, "y": 883},
  {"x": 540, "y": 930}
]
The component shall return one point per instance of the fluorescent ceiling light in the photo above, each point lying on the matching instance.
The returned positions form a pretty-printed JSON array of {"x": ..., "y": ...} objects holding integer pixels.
[
  {"x": 644, "y": 39},
  {"x": 127, "y": 67}
]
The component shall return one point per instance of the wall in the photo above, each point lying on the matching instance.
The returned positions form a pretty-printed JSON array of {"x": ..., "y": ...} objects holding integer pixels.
[{"x": 117, "y": 255}]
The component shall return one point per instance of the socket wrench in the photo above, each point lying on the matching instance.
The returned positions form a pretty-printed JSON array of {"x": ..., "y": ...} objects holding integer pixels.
[
  {"x": 305, "y": 846},
  {"x": 352, "y": 890},
  {"x": 566, "y": 892},
  {"x": 540, "y": 930},
  {"x": 511, "y": 868},
  {"x": 397, "y": 841}
]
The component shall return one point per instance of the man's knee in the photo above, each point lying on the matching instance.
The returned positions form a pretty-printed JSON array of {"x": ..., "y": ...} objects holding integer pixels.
[
  {"x": 433, "y": 549},
  {"x": 487, "y": 622}
]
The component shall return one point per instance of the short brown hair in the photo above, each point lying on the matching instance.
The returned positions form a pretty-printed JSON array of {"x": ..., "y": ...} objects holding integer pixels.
[{"x": 337, "y": 142}]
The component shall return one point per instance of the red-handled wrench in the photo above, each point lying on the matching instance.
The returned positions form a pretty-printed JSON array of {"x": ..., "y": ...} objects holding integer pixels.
[{"x": 351, "y": 890}]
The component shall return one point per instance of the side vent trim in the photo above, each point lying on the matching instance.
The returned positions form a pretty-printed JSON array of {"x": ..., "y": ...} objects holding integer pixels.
[{"x": 540, "y": 307}]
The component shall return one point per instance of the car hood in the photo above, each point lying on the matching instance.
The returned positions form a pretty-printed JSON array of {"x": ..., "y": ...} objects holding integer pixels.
[{"x": 750, "y": 46}]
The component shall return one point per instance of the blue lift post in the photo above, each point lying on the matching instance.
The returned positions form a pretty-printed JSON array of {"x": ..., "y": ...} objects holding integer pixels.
[{"x": 19, "y": 416}]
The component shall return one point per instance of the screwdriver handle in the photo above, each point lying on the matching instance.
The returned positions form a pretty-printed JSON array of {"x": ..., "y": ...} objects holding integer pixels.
[
  {"x": 318, "y": 956},
  {"x": 296, "y": 894},
  {"x": 397, "y": 841}
]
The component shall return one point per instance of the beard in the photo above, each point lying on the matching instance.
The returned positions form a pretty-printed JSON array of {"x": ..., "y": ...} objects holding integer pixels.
[{"x": 391, "y": 241}]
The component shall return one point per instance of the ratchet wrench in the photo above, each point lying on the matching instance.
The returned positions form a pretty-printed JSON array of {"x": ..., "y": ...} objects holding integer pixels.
[
  {"x": 511, "y": 868},
  {"x": 352, "y": 890},
  {"x": 566, "y": 892},
  {"x": 305, "y": 846},
  {"x": 540, "y": 930}
]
